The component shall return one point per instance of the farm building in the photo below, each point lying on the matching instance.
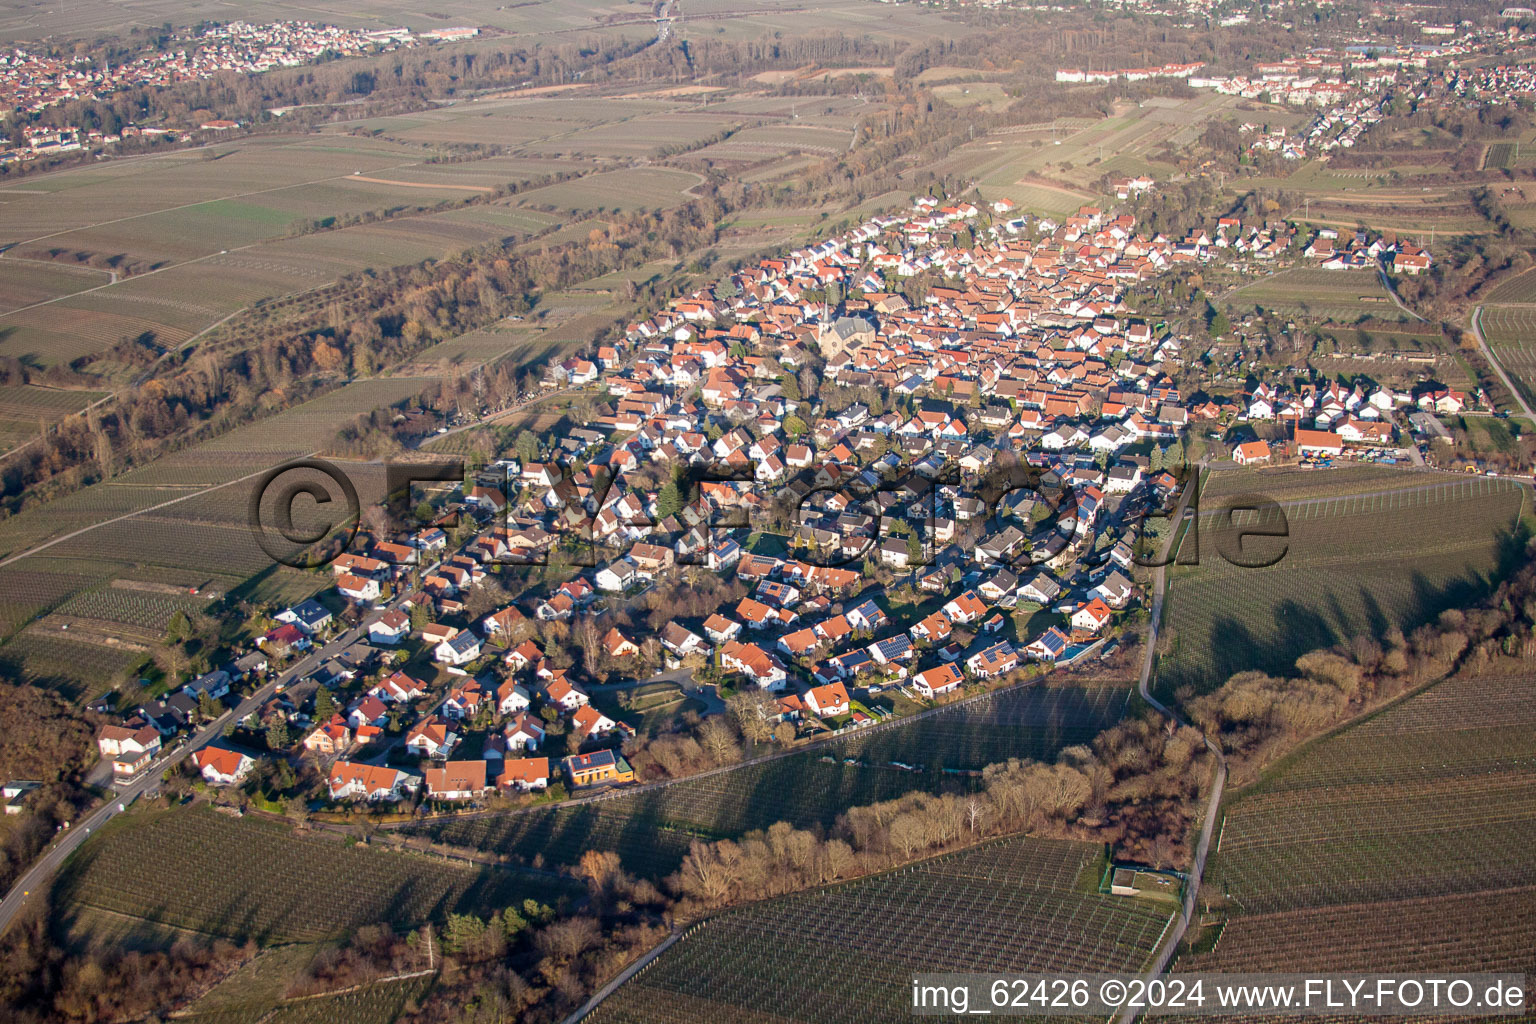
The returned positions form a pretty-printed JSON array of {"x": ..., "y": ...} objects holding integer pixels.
[
  {"x": 1251, "y": 453},
  {"x": 1318, "y": 442}
]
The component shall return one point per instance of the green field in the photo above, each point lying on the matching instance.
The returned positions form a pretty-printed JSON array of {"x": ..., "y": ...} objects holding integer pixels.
[
  {"x": 652, "y": 830},
  {"x": 1401, "y": 843},
  {"x": 1357, "y": 561},
  {"x": 847, "y": 953},
  {"x": 207, "y": 867}
]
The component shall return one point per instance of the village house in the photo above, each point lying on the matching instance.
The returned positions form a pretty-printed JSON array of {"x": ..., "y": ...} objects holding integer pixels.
[
  {"x": 937, "y": 681},
  {"x": 567, "y": 695},
  {"x": 511, "y": 698},
  {"x": 1090, "y": 618},
  {"x": 432, "y": 737},
  {"x": 993, "y": 661},
  {"x": 524, "y": 774},
  {"x": 460, "y": 649},
  {"x": 349, "y": 780},
  {"x": 524, "y": 732},
  {"x": 457, "y": 780},
  {"x": 1049, "y": 646},
  {"x": 222, "y": 766},
  {"x": 827, "y": 701},
  {"x": 131, "y": 749},
  {"x": 597, "y": 767},
  {"x": 755, "y": 663},
  {"x": 1251, "y": 453},
  {"x": 588, "y": 723},
  {"x": 329, "y": 738},
  {"x": 390, "y": 628}
]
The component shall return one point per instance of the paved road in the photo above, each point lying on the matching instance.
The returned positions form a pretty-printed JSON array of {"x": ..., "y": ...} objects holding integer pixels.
[
  {"x": 1482, "y": 343},
  {"x": 1202, "y": 847},
  {"x": 37, "y": 877},
  {"x": 623, "y": 976}
]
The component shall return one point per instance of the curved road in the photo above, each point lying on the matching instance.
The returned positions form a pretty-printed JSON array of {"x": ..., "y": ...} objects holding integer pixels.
[
  {"x": 1203, "y": 845},
  {"x": 1482, "y": 343},
  {"x": 35, "y": 880}
]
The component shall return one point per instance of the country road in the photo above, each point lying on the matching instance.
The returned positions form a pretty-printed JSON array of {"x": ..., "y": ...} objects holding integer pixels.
[
  {"x": 1386, "y": 283},
  {"x": 1203, "y": 845},
  {"x": 1498, "y": 368},
  {"x": 35, "y": 880}
]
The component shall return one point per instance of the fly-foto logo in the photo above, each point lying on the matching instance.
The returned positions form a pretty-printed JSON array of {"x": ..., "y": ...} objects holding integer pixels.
[{"x": 306, "y": 513}]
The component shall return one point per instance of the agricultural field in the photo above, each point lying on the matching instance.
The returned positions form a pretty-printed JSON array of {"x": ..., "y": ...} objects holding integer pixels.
[
  {"x": 769, "y": 141},
  {"x": 1386, "y": 339},
  {"x": 648, "y": 188},
  {"x": 1356, "y": 562},
  {"x": 847, "y": 953},
  {"x": 1520, "y": 289},
  {"x": 1501, "y": 156},
  {"x": 132, "y": 604},
  {"x": 1400, "y": 843},
  {"x": 27, "y": 282},
  {"x": 1030, "y": 722},
  {"x": 206, "y": 865},
  {"x": 378, "y": 1003},
  {"x": 78, "y": 666},
  {"x": 24, "y": 407},
  {"x": 1511, "y": 333},
  {"x": 1340, "y": 296},
  {"x": 169, "y": 246},
  {"x": 970, "y": 94},
  {"x": 942, "y": 751},
  {"x": 1391, "y": 208}
]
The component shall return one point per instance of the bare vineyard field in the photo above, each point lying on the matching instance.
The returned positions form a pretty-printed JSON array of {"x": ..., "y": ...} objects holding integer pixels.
[
  {"x": 28, "y": 588},
  {"x": 942, "y": 752},
  {"x": 847, "y": 953},
  {"x": 640, "y": 136},
  {"x": 1034, "y": 722},
  {"x": 1341, "y": 296},
  {"x": 1401, "y": 843},
  {"x": 1500, "y": 156},
  {"x": 378, "y": 1003},
  {"x": 768, "y": 141},
  {"x": 206, "y": 866},
  {"x": 77, "y": 668},
  {"x": 23, "y": 283},
  {"x": 1519, "y": 289},
  {"x": 145, "y": 609},
  {"x": 1511, "y": 333},
  {"x": 1354, "y": 563},
  {"x": 1291, "y": 483},
  {"x": 24, "y": 407},
  {"x": 237, "y": 230},
  {"x": 648, "y": 188}
]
